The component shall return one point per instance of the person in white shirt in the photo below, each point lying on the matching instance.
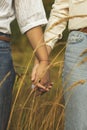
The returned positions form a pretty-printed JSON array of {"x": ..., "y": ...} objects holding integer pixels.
[
  {"x": 75, "y": 62},
  {"x": 31, "y": 16}
]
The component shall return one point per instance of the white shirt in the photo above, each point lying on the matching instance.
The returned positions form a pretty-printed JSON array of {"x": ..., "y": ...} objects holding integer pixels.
[
  {"x": 61, "y": 11},
  {"x": 29, "y": 13}
]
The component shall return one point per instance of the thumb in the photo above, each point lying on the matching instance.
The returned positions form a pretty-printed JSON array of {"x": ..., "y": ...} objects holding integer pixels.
[
  {"x": 34, "y": 71},
  {"x": 33, "y": 77}
]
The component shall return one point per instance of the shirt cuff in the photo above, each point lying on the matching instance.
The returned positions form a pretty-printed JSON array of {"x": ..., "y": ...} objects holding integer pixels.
[
  {"x": 33, "y": 24},
  {"x": 51, "y": 43},
  {"x": 51, "y": 39}
]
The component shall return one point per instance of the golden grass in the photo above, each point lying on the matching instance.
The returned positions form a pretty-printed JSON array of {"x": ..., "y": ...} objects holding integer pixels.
[
  {"x": 3, "y": 80},
  {"x": 43, "y": 112},
  {"x": 36, "y": 113}
]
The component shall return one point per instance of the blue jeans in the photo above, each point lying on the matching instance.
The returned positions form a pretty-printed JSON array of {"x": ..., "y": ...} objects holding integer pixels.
[
  {"x": 7, "y": 78},
  {"x": 75, "y": 82}
]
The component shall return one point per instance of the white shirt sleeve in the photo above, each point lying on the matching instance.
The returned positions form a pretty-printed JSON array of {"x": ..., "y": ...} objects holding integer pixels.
[
  {"x": 55, "y": 26},
  {"x": 29, "y": 14}
]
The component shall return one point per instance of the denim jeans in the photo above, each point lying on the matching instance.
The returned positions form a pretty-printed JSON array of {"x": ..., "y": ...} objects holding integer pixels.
[
  {"x": 7, "y": 78},
  {"x": 75, "y": 81}
]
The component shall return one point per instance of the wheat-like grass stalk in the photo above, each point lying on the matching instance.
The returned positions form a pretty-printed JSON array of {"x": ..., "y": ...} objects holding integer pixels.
[
  {"x": 20, "y": 85},
  {"x": 4, "y": 79},
  {"x": 49, "y": 120},
  {"x": 84, "y": 52},
  {"x": 65, "y": 19},
  {"x": 23, "y": 106}
]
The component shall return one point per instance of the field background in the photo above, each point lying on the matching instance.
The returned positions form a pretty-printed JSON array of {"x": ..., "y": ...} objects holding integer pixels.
[{"x": 29, "y": 112}]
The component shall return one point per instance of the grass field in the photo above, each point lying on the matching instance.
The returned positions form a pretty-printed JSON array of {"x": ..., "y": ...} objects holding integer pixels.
[
  {"x": 35, "y": 113},
  {"x": 44, "y": 112}
]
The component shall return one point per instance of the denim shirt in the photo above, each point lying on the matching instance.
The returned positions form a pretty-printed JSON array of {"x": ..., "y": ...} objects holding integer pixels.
[{"x": 64, "y": 11}]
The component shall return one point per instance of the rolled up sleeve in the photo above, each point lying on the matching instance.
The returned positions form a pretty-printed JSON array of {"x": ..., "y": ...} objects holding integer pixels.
[
  {"x": 29, "y": 14},
  {"x": 56, "y": 23}
]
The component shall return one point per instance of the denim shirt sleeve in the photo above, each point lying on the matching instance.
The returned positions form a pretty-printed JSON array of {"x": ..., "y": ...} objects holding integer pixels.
[{"x": 29, "y": 13}]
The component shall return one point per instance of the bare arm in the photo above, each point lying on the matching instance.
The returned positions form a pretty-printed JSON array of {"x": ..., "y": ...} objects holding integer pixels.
[
  {"x": 30, "y": 17},
  {"x": 49, "y": 49},
  {"x": 35, "y": 35}
]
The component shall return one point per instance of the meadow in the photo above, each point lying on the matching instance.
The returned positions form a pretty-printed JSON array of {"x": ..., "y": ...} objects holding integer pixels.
[{"x": 29, "y": 112}]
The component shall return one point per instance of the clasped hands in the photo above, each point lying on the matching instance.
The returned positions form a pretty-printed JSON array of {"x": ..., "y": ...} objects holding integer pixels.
[{"x": 41, "y": 78}]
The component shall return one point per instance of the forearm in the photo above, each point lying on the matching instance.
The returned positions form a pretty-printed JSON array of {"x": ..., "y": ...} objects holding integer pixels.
[
  {"x": 35, "y": 36},
  {"x": 49, "y": 49}
]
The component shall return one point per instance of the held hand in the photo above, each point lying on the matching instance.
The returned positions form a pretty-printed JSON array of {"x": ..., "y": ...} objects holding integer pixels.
[
  {"x": 40, "y": 78},
  {"x": 34, "y": 71}
]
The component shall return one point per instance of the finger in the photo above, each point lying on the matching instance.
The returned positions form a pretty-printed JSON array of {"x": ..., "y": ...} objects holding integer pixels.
[
  {"x": 33, "y": 75},
  {"x": 41, "y": 90},
  {"x": 33, "y": 78},
  {"x": 37, "y": 79},
  {"x": 39, "y": 93},
  {"x": 42, "y": 87},
  {"x": 50, "y": 85}
]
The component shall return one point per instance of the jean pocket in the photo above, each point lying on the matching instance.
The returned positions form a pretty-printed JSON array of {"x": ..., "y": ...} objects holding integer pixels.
[{"x": 75, "y": 37}]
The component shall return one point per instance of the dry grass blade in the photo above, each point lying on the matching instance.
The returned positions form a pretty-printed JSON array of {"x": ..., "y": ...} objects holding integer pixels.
[
  {"x": 60, "y": 70},
  {"x": 20, "y": 85},
  {"x": 83, "y": 61},
  {"x": 65, "y": 19},
  {"x": 23, "y": 106},
  {"x": 22, "y": 81},
  {"x": 59, "y": 63},
  {"x": 52, "y": 62},
  {"x": 3, "y": 80},
  {"x": 37, "y": 116},
  {"x": 75, "y": 84},
  {"x": 49, "y": 119},
  {"x": 84, "y": 52}
]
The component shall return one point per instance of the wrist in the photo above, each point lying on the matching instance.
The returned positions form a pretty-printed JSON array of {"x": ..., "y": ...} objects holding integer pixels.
[
  {"x": 36, "y": 61},
  {"x": 45, "y": 61}
]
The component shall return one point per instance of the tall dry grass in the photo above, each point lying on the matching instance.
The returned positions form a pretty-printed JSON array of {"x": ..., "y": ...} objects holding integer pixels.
[
  {"x": 36, "y": 113},
  {"x": 44, "y": 112}
]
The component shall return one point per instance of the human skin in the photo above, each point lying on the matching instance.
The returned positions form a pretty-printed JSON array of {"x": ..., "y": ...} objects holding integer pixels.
[{"x": 35, "y": 36}]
